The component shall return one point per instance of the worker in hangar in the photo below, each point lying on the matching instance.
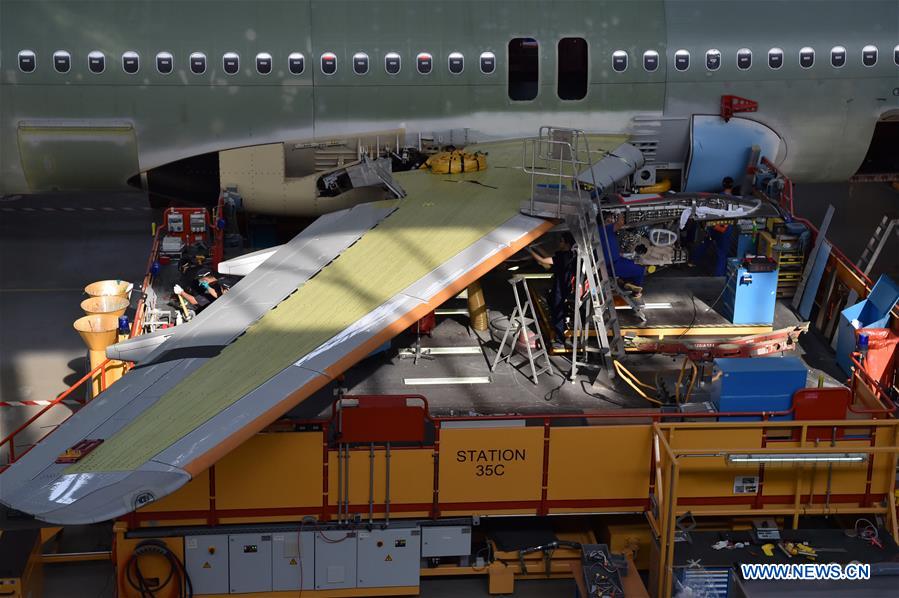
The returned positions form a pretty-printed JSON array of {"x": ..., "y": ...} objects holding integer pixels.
[
  {"x": 205, "y": 289},
  {"x": 626, "y": 270},
  {"x": 562, "y": 263}
]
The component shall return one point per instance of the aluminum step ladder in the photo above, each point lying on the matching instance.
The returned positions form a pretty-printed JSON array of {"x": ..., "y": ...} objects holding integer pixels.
[
  {"x": 876, "y": 244},
  {"x": 595, "y": 289},
  {"x": 518, "y": 324}
]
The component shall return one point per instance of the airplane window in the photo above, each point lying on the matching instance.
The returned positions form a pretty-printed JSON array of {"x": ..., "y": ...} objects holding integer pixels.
[
  {"x": 682, "y": 60},
  {"x": 392, "y": 63},
  {"x": 329, "y": 63},
  {"x": 775, "y": 58},
  {"x": 574, "y": 60},
  {"x": 896, "y": 55},
  {"x": 424, "y": 62},
  {"x": 360, "y": 63},
  {"x": 456, "y": 62},
  {"x": 487, "y": 62},
  {"x": 263, "y": 63},
  {"x": 231, "y": 63},
  {"x": 744, "y": 58},
  {"x": 130, "y": 62},
  {"x": 62, "y": 61},
  {"x": 838, "y": 57},
  {"x": 713, "y": 59},
  {"x": 96, "y": 62},
  {"x": 198, "y": 63},
  {"x": 524, "y": 68},
  {"x": 27, "y": 61},
  {"x": 869, "y": 55},
  {"x": 296, "y": 62},
  {"x": 165, "y": 62},
  {"x": 650, "y": 61},
  {"x": 619, "y": 61},
  {"x": 807, "y": 57}
]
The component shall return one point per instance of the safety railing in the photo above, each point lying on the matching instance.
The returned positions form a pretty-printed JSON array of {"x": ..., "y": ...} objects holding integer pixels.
[
  {"x": 140, "y": 308},
  {"x": 98, "y": 373}
]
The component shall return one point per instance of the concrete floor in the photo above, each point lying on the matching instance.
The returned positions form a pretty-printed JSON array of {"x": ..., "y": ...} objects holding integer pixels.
[{"x": 51, "y": 246}]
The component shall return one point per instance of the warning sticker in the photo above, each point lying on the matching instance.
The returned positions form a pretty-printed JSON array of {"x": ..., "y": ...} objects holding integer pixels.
[
  {"x": 746, "y": 484},
  {"x": 293, "y": 561},
  {"x": 206, "y": 565},
  {"x": 389, "y": 558}
]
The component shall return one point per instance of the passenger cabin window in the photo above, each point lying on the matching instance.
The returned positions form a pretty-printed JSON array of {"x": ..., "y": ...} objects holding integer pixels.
[
  {"x": 487, "y": 62},
  {"x": 869, "y": 55},
  {"x": 744, "y": 59},
  {"x": 896, "y": 55},
  {"x": 329, "y": 63},
  {"x": 62, "y": 61},
  {"x": 360, "y": 63},
  {"x": 650, "y": 61},
  {"x": 838, "y": 57},
  {"x": 231, "y": 63},
  {"x": 130, "y": 62},
  {"x": 455, "y": 62},
  {"x": 198, "y": 63},
  {"x": 713, "y": 59},
  {"x": 165, "y": 62},
  {"x": 296, "y": 62},
  {"x": 619, "y": 61},
  {"x": 27, "y": 61},
  {"x": 682, "y": 60},
  {"x": 574, "y": 61},
  {"x": 96, "y": 62},
  {"x": 424, "y": 62},
  {"x": 392, "y": 63},
  {"x": 775, "y": 58},
  {"x": 807, "y": 57},
  {"x": 263, "y": 63}
]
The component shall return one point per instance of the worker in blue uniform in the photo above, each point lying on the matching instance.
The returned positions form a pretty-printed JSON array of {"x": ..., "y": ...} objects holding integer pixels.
[
  {"x": 720, "y": 236},
  {"x": 625, "y": 269},
  {"x": 562, "y": 263}
]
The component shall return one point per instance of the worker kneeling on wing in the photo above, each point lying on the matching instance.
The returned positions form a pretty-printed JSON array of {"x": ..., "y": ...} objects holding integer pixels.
[{"x": 205, "y": 289}]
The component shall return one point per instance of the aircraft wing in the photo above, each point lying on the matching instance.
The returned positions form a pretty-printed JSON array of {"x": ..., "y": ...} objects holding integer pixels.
[{"x": 313, "y": 309}]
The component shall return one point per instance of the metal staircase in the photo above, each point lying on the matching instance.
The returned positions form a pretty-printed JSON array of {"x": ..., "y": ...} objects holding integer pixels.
[{"x": 555, "y": 160}]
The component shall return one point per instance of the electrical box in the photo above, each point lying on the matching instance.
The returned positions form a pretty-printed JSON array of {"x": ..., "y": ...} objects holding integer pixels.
[
  {"x": 293, "y": 561},
  {"x": 389, "y": 557},
  {"x": 756, "y": 384},
  {"x": 250, "y": 562},
  {"x": 445, "y": 540},
  {"x": 750, "y": 295},
  {"x": 206, "y": 561},
  {"x": 335, "y": 559}
]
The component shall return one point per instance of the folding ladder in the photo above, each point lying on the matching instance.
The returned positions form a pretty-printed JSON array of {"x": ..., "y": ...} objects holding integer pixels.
[{"x": 518, "y": 327}]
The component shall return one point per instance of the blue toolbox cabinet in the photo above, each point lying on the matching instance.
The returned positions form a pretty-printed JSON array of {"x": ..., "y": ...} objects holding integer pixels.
[
  {"x": 756, "y": 384},
  {"x": 751, "y": 293}
]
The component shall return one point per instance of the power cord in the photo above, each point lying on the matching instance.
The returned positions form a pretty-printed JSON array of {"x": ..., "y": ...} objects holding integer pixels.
[{"x": 137, "y": 581}]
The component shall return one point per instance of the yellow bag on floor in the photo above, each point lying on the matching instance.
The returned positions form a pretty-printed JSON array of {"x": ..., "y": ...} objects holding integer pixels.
[{"x": 455, "y": 162}]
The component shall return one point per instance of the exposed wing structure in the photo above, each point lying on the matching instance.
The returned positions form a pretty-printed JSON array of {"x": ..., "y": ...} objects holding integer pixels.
[{"x": 315, "y": 307}]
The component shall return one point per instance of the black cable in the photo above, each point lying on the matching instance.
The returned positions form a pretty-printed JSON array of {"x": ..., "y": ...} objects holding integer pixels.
[{"x": 137, "y": 581}]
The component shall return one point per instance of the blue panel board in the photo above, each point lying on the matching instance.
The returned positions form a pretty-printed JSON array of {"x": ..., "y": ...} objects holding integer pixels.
[
  {"x": 814, "y": 280},
  {"x": 719, "y": 149}
]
